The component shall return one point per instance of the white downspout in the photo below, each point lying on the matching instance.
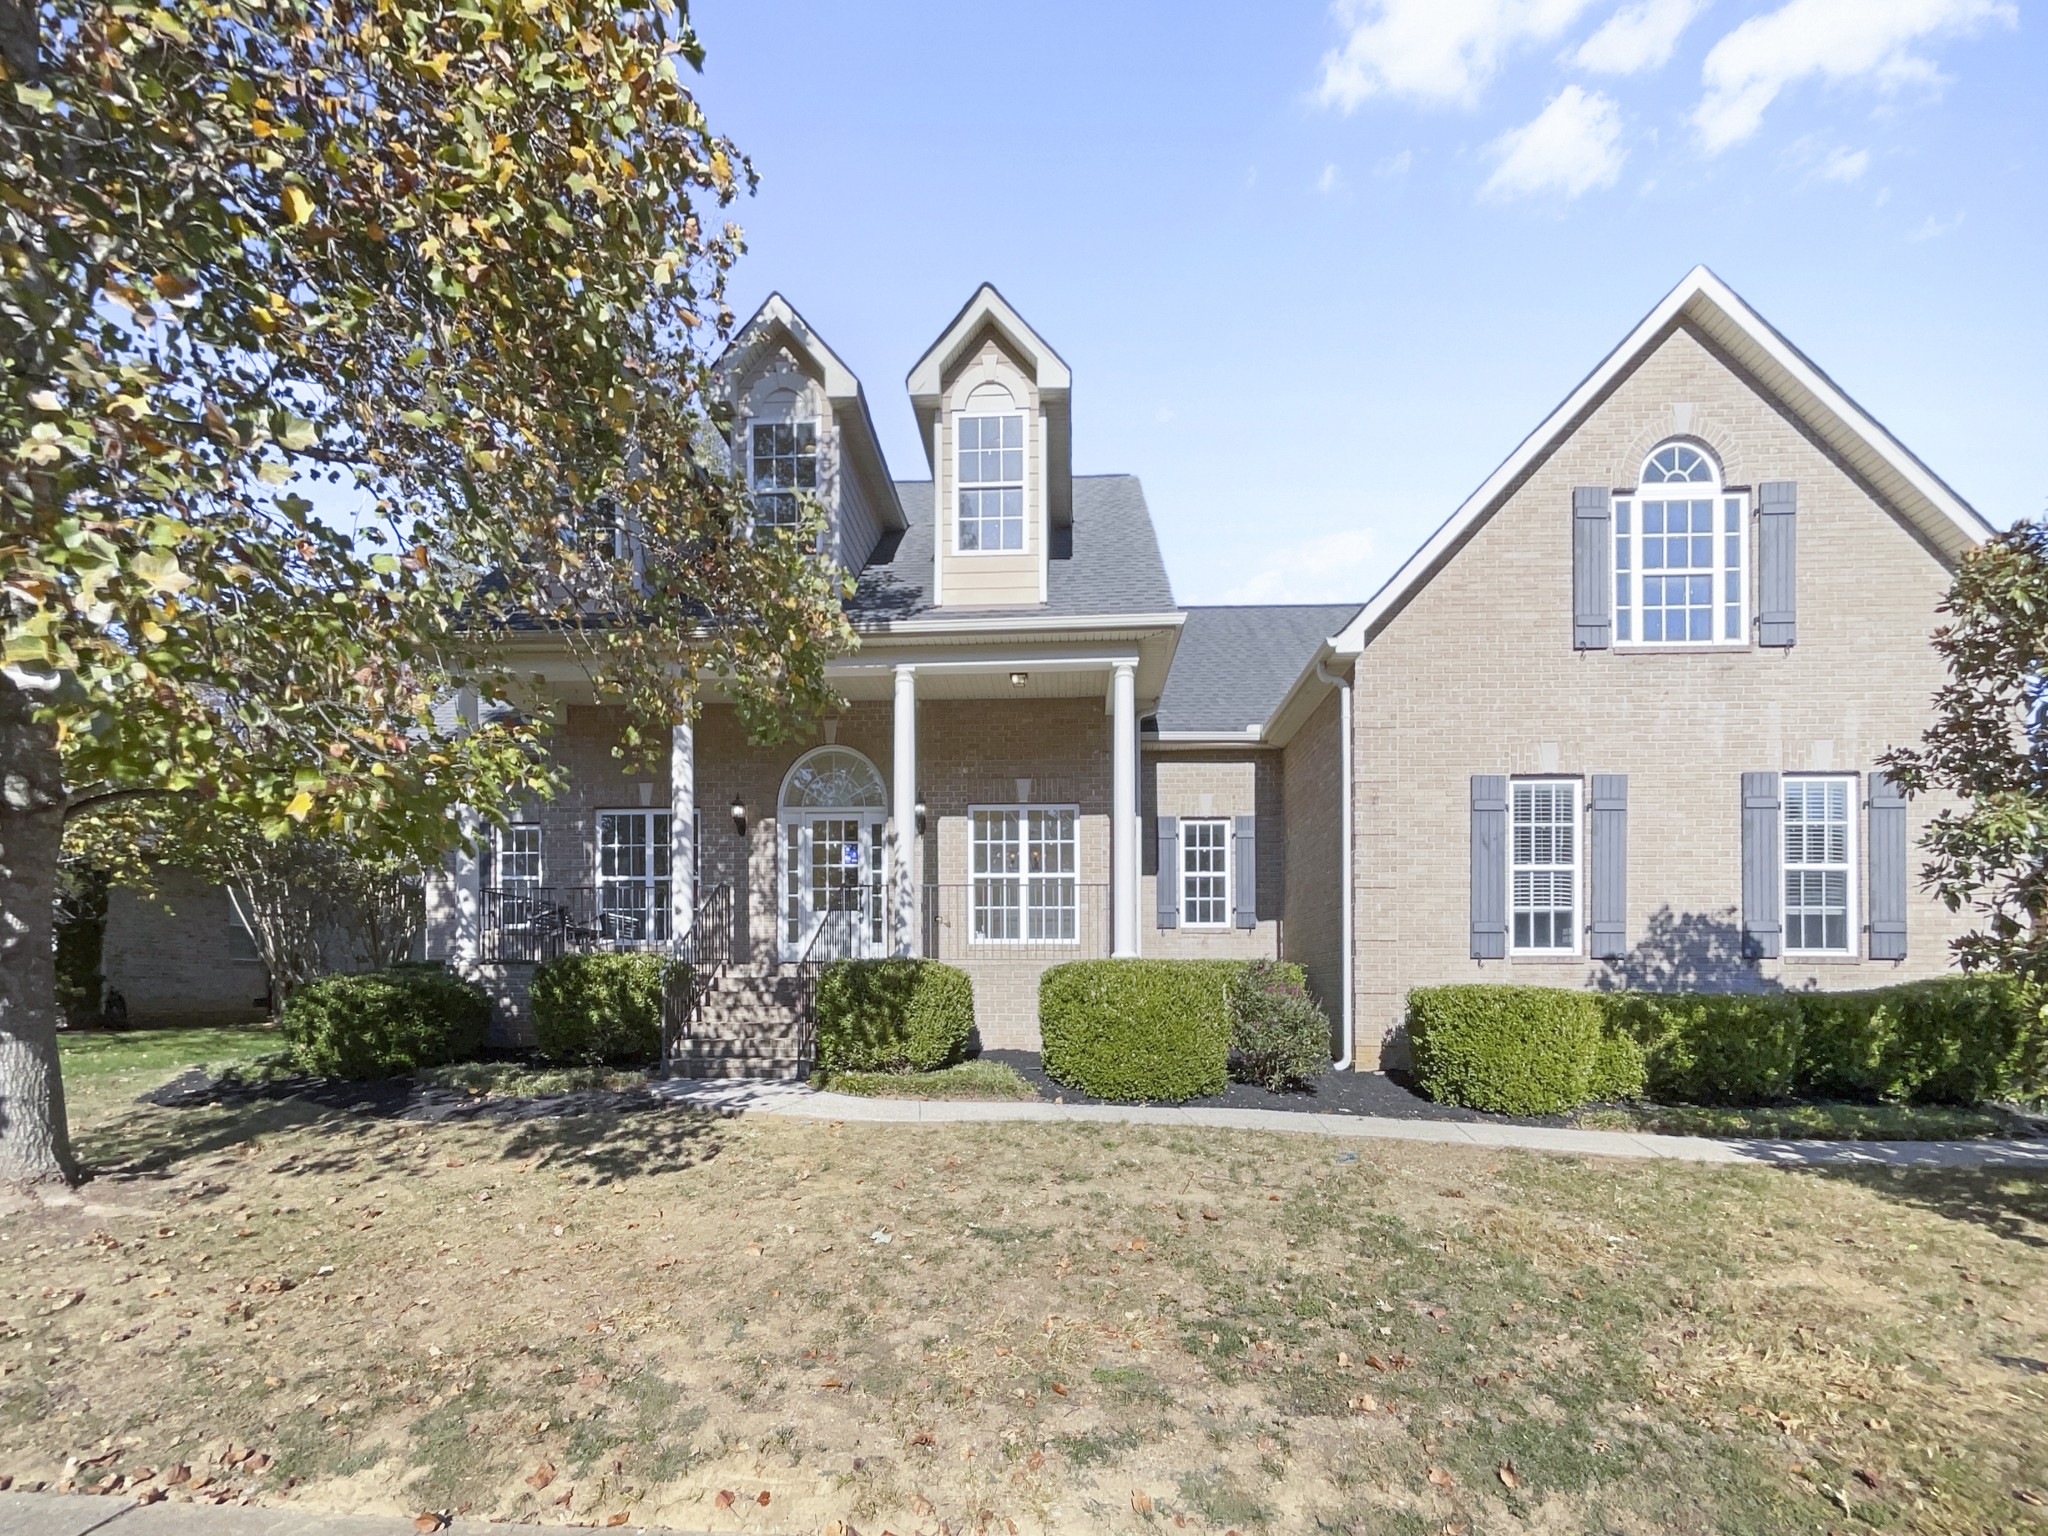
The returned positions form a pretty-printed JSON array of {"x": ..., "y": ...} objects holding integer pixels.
[{"x": 1350, "y": 878}]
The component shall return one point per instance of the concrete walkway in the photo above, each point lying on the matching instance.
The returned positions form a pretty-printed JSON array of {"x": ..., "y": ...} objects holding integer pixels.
[
  {"x": 78, "y": 1514},
  {"x": 797, "y": 1101}
]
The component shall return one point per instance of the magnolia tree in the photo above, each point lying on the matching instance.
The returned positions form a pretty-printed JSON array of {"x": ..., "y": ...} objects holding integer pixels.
[
  {"x": 1988, "y": 747},
  {"x": 331, "y": 334}
]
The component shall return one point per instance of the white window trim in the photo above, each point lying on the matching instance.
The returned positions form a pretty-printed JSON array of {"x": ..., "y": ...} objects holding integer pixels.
[
  {"x": 1229, "y": 826},
  {"x": 756, "y": 489},
  {"x": 1577, "y": 926},
  {"x": 658, "y": 915},
  {"x": 1023, "y": 484},
  {"x": 1022, "y": 877},
  {"x": 1720, "y": 494},
  {"x": 498, "y": 852},
  {"x": 1852, "y": 868}
]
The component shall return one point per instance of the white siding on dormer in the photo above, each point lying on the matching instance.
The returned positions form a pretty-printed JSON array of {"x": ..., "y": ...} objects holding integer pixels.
[{"x": 989, "y": 380}]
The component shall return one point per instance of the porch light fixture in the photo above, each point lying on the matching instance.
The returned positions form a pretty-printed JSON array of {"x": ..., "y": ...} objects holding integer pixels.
[
  {"x": 1019, "y": 679},
  {"x": 920, "y": 816},
  {"x": 739, "y": 817}
]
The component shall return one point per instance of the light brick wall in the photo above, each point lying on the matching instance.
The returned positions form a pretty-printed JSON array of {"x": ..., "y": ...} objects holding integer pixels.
[
  {"x": 167, "y": 953},
  {"x": 1311, "y": 789},
  {"x": 1478, "y": 675},
  {"x": 1213, "y": 784}
]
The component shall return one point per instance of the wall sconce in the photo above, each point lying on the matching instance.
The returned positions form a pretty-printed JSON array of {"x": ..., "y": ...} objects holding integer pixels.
[
  {"x": 920, "y": 816},
  {"x": 739, "y": 817},
  {"x": 1019, "y": 679}
]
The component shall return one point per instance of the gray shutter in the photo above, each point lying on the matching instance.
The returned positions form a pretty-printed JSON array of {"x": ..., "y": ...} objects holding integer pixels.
[
  {"x": 1762, "y": 878},
  {"x": 1168, "y": 894},
  {"x": 1777, "y": 562},
  {"x": 1489, "y": 866},
  {"x": 1607, "y": 843},
  {"x": 1887, "y": 869},
  {"x": 1592, "y": 568},
  {"x": 1244, "y": 869}
]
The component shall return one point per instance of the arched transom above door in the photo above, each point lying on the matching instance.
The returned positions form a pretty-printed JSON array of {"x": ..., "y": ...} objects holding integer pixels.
[{"x": 833, "y": 778}]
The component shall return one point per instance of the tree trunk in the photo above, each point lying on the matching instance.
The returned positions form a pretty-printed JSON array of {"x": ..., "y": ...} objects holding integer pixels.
[{"x": 35, "y": 1142}]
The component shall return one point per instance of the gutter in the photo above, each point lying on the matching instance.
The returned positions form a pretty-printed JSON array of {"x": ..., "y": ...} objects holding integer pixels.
[{"x": 1346, "y": 1024}]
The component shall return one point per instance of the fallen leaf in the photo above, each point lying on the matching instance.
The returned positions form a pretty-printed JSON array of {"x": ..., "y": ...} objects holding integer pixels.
[
  {"x": 429, "y": 1520},
  {"x": 1440, "y": 1477},
  {"x": 920, "y": 1505},
  {"x": 1060, "y": 1388},
  {"x": 2028, "y": 1496},
  {"x": 1209, "y": 1215},
  {"x": 541, "y": 1476},
  {"x": 1365, "y": 1403},
  {"x": 1868, "y": 1478},
  {"x": 724, "y": 1499},
  {"x": 1035, "y": 1460},
  {"x": 1141, "y": 1501},
  {"x": 762, "y": 1499},
  {"x": 1509, "y": 1477},
  {"x": 616, "y": 1517}
]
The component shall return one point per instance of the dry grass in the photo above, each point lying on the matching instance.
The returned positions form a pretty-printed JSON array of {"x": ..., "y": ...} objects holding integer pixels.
[{"x": 1060, "y": 1326}]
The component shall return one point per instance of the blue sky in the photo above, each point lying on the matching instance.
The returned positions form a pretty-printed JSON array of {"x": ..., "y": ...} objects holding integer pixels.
[{"x": 1318, "y": 269}]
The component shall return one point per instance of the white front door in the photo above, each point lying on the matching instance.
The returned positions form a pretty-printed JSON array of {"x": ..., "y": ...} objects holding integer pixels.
[{"x": 831, "y": 884}]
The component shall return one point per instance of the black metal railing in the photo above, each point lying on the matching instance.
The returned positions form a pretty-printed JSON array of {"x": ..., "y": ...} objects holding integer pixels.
[
  {"x": 1027, "y": 917},
  {"x": 539, "y": 922},
  {"x": 700, "y": 953}
]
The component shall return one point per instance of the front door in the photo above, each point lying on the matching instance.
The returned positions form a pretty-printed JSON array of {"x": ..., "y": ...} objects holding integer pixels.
[{"x": 831, "y": 885}]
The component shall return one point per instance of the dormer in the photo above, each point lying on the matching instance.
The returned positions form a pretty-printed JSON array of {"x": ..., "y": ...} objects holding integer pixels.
[
  {"x": 992, "y": 404},
  {"x": 801, "y": 423}
]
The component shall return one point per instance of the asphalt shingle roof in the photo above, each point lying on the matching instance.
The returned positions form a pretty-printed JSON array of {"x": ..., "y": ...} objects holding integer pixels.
[
  {"x": 1107, "y": 562},
  {"x": 1234, "y": 665}
]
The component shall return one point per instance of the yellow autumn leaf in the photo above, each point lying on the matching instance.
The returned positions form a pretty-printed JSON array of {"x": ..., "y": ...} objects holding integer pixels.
[
  {"x": 297, "y": 206},
  {"x": 301, "y": 803}
]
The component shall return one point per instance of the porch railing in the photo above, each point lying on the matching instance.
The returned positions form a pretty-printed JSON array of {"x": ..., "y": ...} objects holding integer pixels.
[
  {"x": 539, "y": 922},
  {"x": 702, "y": 953},
  {"x": 1027, "y": 917},
  {"x": 841, "y": 934}
]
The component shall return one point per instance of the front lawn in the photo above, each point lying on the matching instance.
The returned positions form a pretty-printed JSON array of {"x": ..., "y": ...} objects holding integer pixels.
[
  {"x": 1805, "y": 1122},
  {"x": 967, "y": 1080},
  {"x": 104, "y": 1068},
  {"x": 767, "y": 1325}
]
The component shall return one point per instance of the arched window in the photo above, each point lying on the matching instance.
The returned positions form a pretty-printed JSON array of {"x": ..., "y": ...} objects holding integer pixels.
[
  {"x": 1681, "y": 541},
  {"x": 833, "y": 779},
  {"x": 782, "y": 459},
  {"x": 990, "y": 429}
]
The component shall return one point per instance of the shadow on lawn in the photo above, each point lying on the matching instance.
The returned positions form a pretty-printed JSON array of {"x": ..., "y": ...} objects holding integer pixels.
[{"x": 2009, "y": 1203}]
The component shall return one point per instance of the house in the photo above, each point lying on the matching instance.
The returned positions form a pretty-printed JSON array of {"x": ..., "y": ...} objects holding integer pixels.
[{"x": 1616, "y": 723}]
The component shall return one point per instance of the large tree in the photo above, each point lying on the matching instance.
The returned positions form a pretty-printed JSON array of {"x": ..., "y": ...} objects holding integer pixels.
[
  {"x": 1988, "y": 747},
  {"x": 444, "y": 268}
]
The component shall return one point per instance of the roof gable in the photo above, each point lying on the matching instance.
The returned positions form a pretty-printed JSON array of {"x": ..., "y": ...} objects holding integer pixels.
[{"x": 1781, "y": 370}]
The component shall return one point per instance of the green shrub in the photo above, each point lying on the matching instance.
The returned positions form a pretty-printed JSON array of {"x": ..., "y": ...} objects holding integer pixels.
[
  {"x": 1617, "y": 1073},
  {"x": 1955, "y": 1040},
  {"x": 893, "y": 1016},
  {"x": 1712, "y": 1047},
  {"x": 602, "y": 1008},
  {"x": 1511, "y": 1050},
  {"x": 1279, "y": 1038},
  {"x": 385, "y": 1023},
  {"x": 1137, "y": 1029}
]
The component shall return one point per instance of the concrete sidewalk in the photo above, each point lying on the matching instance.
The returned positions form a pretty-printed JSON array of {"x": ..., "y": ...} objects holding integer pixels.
[
  {"x": 796, "y": 1100},
  {"x": 77, "y": 1514}
]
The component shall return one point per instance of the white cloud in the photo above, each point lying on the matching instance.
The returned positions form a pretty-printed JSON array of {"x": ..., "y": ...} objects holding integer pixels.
[
  {"x": 1395, "y": 165},
  {"x": 1934, "y": 228},
  {"x": 1844, "y": 165},
  {"x": 1331, "y": 568},
  {"x": 1440, "y": 51},
  {"x": 1572, "y": 146},
  {"x": 1327, "y": 182},
  {"x": 1840, "y": 40},
  {"x": 1638, "y": 37}
]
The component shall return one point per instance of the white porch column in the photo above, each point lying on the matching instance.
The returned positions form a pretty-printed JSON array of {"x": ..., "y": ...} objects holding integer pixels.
[
  {"x": 465, "y": 872},
  {"x": 682, "y": 835},
  {"x": 903, "y": 816},
  {"x": 1123, "y": 811}
]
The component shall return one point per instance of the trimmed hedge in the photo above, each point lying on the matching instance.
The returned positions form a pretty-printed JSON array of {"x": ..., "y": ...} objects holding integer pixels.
[
  {"x": 893, "y": 1016},
  {"x": 1511, "y": 1050},
  {"x": 374, "y": 1024},
  {"x": 1279, "y": 1038},
  {"x": 1954, "y": 1040},
  {"x": 1137, "y": 1029},
  {"x": 601, "y": 1009}
]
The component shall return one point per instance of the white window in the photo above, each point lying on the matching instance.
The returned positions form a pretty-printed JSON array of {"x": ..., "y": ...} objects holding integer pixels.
[
  {"x": 1681, "y": 575},
  {"x": 1205, "y": 874},
  {"x": 633, "y": 876},
  {"x": 1819, "y": 852},
  {"x": 785, "y": 462},
  {"x": 991, "y": 483},
  {"x": 516, "y": 857},
  {"x": 1543, "y": 867},
  {"x": 1024, "y": 863}
]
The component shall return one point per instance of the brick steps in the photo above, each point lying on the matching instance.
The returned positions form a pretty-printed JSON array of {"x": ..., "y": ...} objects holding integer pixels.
[{"x": 746, "y": 1026}]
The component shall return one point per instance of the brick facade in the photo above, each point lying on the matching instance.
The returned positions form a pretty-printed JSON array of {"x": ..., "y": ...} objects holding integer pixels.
[
  {"x": 1477, "y": 674},
  {"x": 170, "y": 955},
  {"x": 1312, "y": 895},
  {"x": 1224, "y": 785}
]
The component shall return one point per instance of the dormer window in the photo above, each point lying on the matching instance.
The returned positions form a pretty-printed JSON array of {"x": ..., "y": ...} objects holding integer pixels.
[
  {"x": 785, "y": 462},
  {"x": 1680, "y": 555},
  {"x": 991, "y": 483}
]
